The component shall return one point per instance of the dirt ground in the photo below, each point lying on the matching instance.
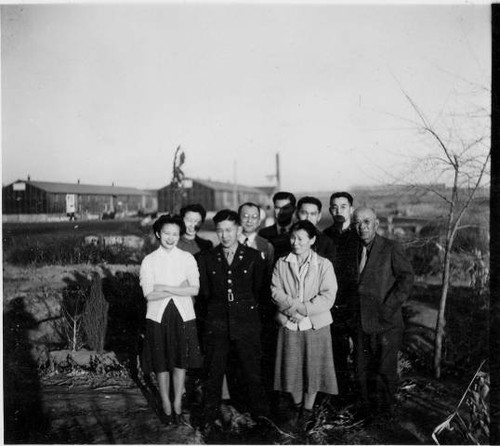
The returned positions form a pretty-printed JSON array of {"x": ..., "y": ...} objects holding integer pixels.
[
  {"x": 118, "y": 410},
  {"x": 74, "y": 406}
]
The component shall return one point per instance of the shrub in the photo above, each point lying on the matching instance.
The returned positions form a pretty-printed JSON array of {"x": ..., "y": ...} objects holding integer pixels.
[{"x": 95, "y": 316}]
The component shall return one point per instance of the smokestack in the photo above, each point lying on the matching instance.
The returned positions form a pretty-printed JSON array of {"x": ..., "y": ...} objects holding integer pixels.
[{"x": 278, "y": 177}]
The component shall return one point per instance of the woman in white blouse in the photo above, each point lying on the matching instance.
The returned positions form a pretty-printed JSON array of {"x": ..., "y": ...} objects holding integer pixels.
[{"x": 169, "y": 278}]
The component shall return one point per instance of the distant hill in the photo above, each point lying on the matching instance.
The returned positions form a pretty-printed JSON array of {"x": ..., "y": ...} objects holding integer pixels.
[{"x": 401, "y": 199}]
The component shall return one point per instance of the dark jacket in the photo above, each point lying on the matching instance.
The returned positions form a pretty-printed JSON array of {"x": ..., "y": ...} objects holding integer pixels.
[
  {"x": 346, "y": 264},
  {"x": 231, "y": 293},
  {"x": 280, "y": 242},
  {"x": 324, "y": 247},
  {"x": 384, "y": 285},
  {"x": 204, "y": 244}
]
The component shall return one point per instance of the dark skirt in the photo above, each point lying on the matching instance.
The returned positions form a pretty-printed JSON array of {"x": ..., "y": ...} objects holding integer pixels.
[{"x": 171, "y": 344}]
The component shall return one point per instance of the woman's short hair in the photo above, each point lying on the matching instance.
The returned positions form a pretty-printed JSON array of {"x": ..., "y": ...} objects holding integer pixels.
[
  {"x": 198, "y": 208},
  {"x": 169, "y": 220},
  {"x": 305, "y": 225}
]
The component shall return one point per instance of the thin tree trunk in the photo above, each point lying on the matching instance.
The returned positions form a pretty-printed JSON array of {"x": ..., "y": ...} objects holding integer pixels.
[{"x": 445, "y": 283}]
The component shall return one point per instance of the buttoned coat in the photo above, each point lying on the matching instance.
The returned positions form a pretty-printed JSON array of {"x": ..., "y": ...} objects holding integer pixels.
[
  {"x": 232, "y": 292},
  {"x": 320, "y": 288},
  {"x": 384, "y": 285},
  {"x": 280, "y": 242}
]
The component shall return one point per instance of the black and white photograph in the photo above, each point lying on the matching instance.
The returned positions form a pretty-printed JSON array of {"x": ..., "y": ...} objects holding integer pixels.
[{"x": 247, "y": 222}]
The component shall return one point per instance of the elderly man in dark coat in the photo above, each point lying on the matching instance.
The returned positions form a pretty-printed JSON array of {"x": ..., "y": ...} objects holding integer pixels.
[{"x": 385, "y": 282}]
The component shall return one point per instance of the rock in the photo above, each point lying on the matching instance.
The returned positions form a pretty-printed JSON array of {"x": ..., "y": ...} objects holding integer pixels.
[
  {"x": 83, "y": 357},
  {"x": 40, "y": 354},
  {"x": 91, "y": 240},
  {"x": 59, "y": 357},
  {"x": 111, "y": 240},
  {"x": 133, "y": 241}
]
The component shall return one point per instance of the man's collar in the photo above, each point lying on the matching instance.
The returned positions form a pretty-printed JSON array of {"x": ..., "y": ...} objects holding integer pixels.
[
  {"x": 279, "y": 228},
  {"x": 231, "y": 249},
  {"x": 250, "y": 237}
]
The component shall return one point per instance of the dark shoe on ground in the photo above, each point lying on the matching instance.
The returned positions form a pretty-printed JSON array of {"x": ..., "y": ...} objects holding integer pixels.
[
  {"x": 167, "y": 420},
  {"x": 180, "y": 419}
]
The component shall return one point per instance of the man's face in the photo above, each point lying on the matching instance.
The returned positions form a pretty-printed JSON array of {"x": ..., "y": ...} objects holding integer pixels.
[
  {"x": 366, "y": 224},
  {"x": 340, "y": 207},
  {"x": 309, "y": 211},
  {"x": 283, "y": 211},
  {"x": 227, "y": 232},
  {"x": 250, "y": 219}
]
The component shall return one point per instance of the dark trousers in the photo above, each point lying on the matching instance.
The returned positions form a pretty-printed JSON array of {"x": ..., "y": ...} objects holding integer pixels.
[
  {"x": 376, "y": 363},
  {"x": 341, "y": 333},
  {"x": 247, "y": 355}
]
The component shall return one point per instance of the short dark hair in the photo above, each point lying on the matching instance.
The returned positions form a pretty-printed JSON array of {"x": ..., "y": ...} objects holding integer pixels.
[
  {"x": 248, "y": 203},
  {"x": 285, "y": 196},
  {"x": 227, "y": 214},
  {"x": 342, "y": 195},
  {"x": 307, "y": 226},
  {"x": 310, "y": 200},
  {"x": 168, "y": 219},
  {"x": 198, "y": 208}
]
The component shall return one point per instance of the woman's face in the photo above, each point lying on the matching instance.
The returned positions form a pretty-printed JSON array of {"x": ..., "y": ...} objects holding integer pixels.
[
  {"x": 301, "y": 242},
  {"x": 192, "y": 220},
  {"x": 169, "y": 236}
]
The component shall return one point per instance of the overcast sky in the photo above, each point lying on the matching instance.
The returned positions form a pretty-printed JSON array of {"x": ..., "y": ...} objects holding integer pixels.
[{"x": 105, "y": 93}]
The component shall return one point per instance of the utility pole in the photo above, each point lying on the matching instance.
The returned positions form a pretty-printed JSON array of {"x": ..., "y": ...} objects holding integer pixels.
[
  {"x": 235, "y": 185},
  {"x": 278, "y": 177}
]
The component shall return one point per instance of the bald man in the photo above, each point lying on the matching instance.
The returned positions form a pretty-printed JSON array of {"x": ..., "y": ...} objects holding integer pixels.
[{"x": 385, "y": 282}]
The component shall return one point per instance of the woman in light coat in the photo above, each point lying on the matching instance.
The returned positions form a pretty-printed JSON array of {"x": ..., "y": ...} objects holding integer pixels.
[{"x": 304, "y": 288}]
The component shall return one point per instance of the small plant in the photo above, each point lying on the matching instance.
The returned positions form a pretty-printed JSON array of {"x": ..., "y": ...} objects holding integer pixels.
[
  {"x": 70, "y": 324},
  {"x": 95, "y": 316},
  {"x": 470, "y": 419}
]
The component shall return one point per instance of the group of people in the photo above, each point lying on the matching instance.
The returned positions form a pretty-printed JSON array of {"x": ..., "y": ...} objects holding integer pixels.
[{"x": 278, "y": 310}]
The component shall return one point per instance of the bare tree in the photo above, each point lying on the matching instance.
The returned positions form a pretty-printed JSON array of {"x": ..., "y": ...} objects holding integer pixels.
[{"x": 467, "y": 161}]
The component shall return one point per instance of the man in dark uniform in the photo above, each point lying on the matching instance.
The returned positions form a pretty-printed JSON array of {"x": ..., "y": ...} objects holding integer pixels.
[
  {"x": 309, "y": 208},
  {"x": 346, "y": 241},
  {"x": 232, "y": 280},
  {"x": 278, "y": 234}
]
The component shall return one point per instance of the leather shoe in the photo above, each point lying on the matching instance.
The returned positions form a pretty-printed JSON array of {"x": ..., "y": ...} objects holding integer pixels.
[{"x": 179, "y": 419}]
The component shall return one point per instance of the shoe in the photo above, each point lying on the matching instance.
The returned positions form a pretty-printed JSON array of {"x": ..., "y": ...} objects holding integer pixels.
[
  {"x": 167, "y": 420},
  {"x": 207, "y": 429},
  {"x": 179, "y": 419}
]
